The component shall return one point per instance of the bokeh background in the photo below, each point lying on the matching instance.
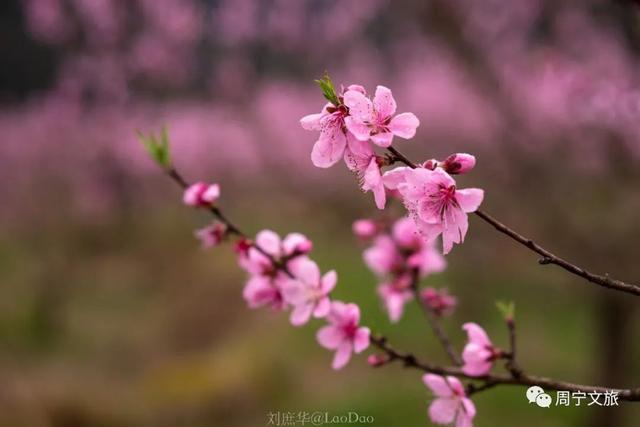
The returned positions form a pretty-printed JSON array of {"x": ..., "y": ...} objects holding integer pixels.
[{"x": 110, "y": 315}]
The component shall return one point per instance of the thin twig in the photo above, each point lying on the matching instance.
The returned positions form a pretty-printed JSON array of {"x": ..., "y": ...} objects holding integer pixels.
[
  {"x": 411, "y": 361},
  {"x": 433, "y": 319},
  {"x": 512, "y": 362},
  {"x": 547, "y": 256}
]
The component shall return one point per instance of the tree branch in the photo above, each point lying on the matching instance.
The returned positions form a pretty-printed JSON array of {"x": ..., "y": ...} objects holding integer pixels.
[
  {"x": 547, "y": 256},
  {"x": 411, "y": 361}
]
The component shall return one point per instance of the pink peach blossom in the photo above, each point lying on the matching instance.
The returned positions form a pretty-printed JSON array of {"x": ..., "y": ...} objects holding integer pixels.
[
  {"x": 343, "y": 333},
  {"x": 479, "y": 353},
  {"x": 451, "y": 404},
  {"x": 440, "y": 302},
  {"x": 437, "y": 206},
  {"x": 375, "y": 120},
  {"x": 201, "y": 194},
  {"x": 211, "y": 235},
  {"x": 329, "y": 148},
  {"x": 308, "y": 293}
]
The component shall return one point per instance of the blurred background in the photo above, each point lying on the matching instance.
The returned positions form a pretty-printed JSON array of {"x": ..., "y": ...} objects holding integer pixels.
[{"x": 110, "y": 315}]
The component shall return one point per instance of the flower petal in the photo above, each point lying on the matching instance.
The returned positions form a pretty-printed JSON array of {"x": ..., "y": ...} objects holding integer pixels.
[
  {"x": 443, "y": 410},
  {"x": 382, "y": 139},
  {"x": 301, "y": 314},
  {"x": 358, "y": 129},
  {"x": 404, "y": 125},
  {"x": 269, "y": 241},
  {"x": 477, "y": 335},
  {"x": 384, "y": 103},
  {"x": 360, "y": 107},
  {"x": 329, "y": 337},
  {"x": 438, "y": 385},
  {"x": 311, "y": 121},
  {"x": 469, "y": 199},
  {"x": 361, "y": 339},
  {"x": 342, "y": 357},
  {"x": 328, "y": 150}
]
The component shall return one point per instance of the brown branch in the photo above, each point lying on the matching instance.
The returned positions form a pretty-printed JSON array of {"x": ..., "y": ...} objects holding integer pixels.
[
  {"x": 433, "y": 319},
  {"x": 547, "y": 256},
  {"x": 411, "y": 361},
  {"x": 512, "y": 363}
]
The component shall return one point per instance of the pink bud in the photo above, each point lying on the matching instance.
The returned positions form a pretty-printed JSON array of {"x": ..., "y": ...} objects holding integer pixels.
[
  {"x": 242, "y": 246},
  {"x": 440, "y": 302},
  {"x": 365, "y": 228},
  {"x": 201, "y": 194},
  {"x": 211, "y": 235},
  {"x": 430, "y": 164},
  {"x": 376, "y": 360},
  {"x": 459, "y": 163}
]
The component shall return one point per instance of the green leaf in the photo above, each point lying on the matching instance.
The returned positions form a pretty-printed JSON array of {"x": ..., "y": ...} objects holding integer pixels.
[
  {"x": 507, "y": 309},
  {"x": 157, "y": 147},
  {"x": 328, "y": 90}
]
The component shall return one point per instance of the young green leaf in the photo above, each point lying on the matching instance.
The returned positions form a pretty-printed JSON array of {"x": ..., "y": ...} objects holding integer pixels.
[
  {"x": 157, "y": 147},
  {"x": 328, "y": 90}
]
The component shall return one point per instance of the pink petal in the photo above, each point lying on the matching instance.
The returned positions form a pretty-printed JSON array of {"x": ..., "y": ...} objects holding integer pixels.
[
  {"x": 455, "y": 385},
  {"x": 311, "y": 122},
  {"x": 306, "y": 271},
  {"x": 384, "y": 103},
  {"x": 357, "y": 128},
  {"x": 329, "y": 281},
  {"x": 295, "y": 242},
  {"x": 469, "y": 199},
  {"x": 477, "y": 368},
  {"x": 443, "y": 410},
  {"x": 294, "y": 292},
  {"x": 382, "y": 139},
  {"x": 463, "y": 420},
  {"x": 269, "y": 241},
  {"x": 211, "y": 194},
  {"x": 358, "y": 147},
  {"x": 469, "y": 407},
  {"x": 322, "y": 308},
  {"x": 330, "y": 337},
  {"x": 352, "y": 313},
  {"x": 395, "y": 177},
  {"x": 360, "y": 107},
  {"x": 329, "y": 149},
  {"x": 301, "y": 314},
  {"x": 342, "y": 357},
  {"x": 361, "y": 339},
  {"x": 438, "y": 385},
  {"x": 404, "y": 125},
  {"x": 476, "y": 334}
]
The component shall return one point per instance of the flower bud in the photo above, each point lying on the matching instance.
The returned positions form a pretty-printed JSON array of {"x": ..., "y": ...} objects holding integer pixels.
[
  {"x": 376, "y": 360},
  {"x": 365, "y": 228},
  {"x": 211, "y": 235},
  {"x": 430, "y": 164},
  {"x": 458, "y": 163},
  {"x": 201, "y": 194}
]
